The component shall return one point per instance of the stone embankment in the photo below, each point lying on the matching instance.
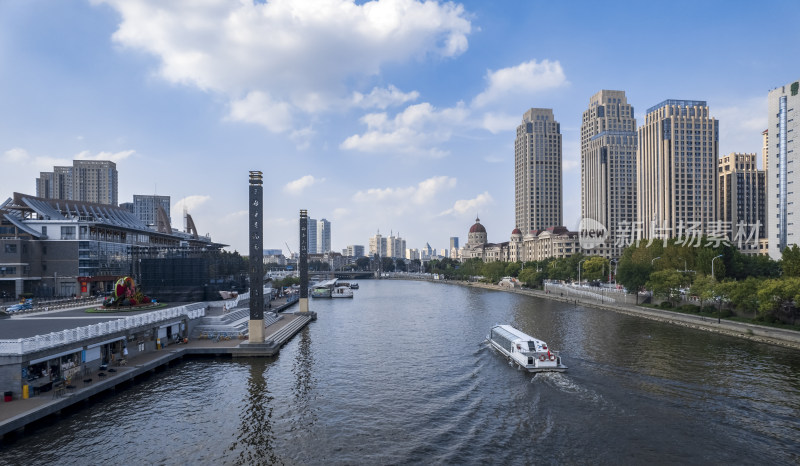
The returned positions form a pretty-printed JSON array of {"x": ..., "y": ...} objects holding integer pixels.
[{"x": 759, "y": 333}]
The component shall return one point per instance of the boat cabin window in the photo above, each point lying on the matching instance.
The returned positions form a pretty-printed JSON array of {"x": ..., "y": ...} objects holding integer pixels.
[{"x": 531, "y": 346}]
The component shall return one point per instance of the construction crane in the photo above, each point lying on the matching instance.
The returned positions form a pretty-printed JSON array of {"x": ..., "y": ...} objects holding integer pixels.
[{"x": 290, "y": 249}]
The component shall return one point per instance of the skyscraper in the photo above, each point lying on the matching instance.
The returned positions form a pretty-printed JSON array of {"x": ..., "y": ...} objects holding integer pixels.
[
  {"x": 537, "y": 171},
  {"x": 783, "y": 195},
  {"x": 323, "y": 236},
  {"x": 86, "y": 180},
  {"x": 676, "y": 170},
  {"x": 608, "y": 167},
  {"x": 741, "y": 200},
  {"x": 312, "y": 236},
  {"x": 145, "y": 206}
]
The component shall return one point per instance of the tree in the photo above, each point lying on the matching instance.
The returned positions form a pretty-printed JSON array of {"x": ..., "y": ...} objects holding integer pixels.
[
  {"x": 387, "y": 264},
  {"x": 704, "y": 288},
  {"x": 362, "y": 263},
  {"x": 594, "y": 268},
  {"x": 790, "y": 261},
  {"x": 494, "y": 271},
  {"x": 513, "y": 269},
  {"x": 666, "y": 283},
  {"x": 743, "y": 294},
  {"x": 400, "y": 265}
]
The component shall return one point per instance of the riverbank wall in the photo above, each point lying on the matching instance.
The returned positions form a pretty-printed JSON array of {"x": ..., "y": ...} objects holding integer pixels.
[{"x": 759, "y": 333}]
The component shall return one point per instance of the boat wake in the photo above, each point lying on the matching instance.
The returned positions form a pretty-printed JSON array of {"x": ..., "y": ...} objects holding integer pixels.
[{"x": 562, "y": 382}]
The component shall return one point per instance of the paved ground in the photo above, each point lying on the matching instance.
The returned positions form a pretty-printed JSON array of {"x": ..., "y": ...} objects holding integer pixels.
[
  {"x": 21, "y": 407},
  {"x": 44, "y": 322}
]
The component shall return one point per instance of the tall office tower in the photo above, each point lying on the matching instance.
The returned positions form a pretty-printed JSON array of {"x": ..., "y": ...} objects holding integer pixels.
[
  {"x": 44, "y": 185},
  {"x": 537, "y": 171},
  {"x": 784, "y": 149},
  {"x": 608, "y": 168},
  {"x": 354, "y": 250},
  {"x": 676, "y": 170},
  {"x": 765, "y": 150},
  {"x": 454, "y": 242},
  {"x": 312, "y": 236},
  {"x": 95, "y": 181},
  {"x": 62, "y": 183},
  {"x": 377, "y": 245},
  {"x": 145, "y": 206},
  {"x": 323, "y": 236},
  {"x": 741, "y": 200}
]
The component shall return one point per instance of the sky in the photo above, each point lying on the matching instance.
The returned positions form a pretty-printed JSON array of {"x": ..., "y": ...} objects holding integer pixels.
[{"x": 390, "y": 116}]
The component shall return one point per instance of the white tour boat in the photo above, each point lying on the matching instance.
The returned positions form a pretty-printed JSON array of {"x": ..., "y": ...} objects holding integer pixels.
[
  {"x": 525, "y": 351},
  {"x": 342, "y": 292}
]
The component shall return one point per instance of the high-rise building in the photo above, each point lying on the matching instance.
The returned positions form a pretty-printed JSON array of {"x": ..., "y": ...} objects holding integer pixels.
[
  {"x": 765, "y": 150},
  {"x": 608, "y": 167},
  {"x": 676, "y": 170},
  {"x": 62, "y": 183},
  {"x": 741, "y": 200},
  {"x": 145, "y": 206},
  {"x": 44, "y": 185},
  {"x": 93, "y": 181},
  {"x": 312, "y": 236},
  {"x": 537, "y": 171},
  {"x": 783, "y": 195},
  {"x": 377, "y": 245},
  {"x": 354, "y": 250},
  {"x": 323, "y": 236}
]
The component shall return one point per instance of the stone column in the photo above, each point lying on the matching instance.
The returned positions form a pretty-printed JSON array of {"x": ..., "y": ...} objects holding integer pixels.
[
  {"x": 302, "y": 263},
  {"x": 256, "y": 259}
]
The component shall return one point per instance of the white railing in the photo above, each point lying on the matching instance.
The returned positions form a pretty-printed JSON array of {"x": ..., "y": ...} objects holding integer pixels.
[{"x": 64, "y": 337}]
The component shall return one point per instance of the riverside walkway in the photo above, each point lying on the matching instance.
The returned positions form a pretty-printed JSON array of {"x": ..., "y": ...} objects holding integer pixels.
[{"x": 19, "y": 413}]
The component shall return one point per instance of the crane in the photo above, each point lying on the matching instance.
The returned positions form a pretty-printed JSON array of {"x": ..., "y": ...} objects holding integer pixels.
[{"x": 290, "y": 249}]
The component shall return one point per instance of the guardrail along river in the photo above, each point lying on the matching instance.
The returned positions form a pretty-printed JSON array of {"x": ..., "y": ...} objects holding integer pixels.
[{"x": 399, "y": 374}]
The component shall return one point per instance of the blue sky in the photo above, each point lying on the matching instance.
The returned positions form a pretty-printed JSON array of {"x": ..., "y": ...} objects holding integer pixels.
[{"x": 389, "y": 115}]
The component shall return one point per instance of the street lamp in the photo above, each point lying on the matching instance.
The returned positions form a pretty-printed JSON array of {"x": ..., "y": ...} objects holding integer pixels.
[
  {"x": 654, "y": 259},
  {"x": 579, "y": 271},
  {"x": 616, "y": 262},
  {"x": 719, "y": 305},
  {"x": 712, "y": 264}
]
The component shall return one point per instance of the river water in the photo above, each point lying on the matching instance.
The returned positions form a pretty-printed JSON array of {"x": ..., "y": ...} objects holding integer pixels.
[{"x": 400, "y": 375}]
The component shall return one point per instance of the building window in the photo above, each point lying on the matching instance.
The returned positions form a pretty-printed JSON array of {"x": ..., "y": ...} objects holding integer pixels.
[
  {"x": 68, "y": 232},
  {"x": 11, "y": 248}
]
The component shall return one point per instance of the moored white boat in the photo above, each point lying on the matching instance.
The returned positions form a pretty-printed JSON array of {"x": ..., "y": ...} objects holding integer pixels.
[
  {"x": 342, "y": 292},
  {"x": 524, "y": 350}
]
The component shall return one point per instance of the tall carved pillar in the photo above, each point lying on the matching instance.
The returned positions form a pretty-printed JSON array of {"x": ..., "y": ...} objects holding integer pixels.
[
  {"x": 256, "y": 259},
  {"x": 302, "y": 264}
]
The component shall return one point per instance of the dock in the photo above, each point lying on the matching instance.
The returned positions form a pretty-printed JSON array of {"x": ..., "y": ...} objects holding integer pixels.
[{"x": 18, "y": 414}]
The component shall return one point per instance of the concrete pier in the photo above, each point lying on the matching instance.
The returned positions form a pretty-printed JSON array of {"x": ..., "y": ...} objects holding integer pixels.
[{"x": 19, "y": 413}]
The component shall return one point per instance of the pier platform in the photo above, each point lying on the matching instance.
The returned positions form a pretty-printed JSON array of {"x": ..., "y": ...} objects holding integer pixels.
[{"x": 19, "y": 413}]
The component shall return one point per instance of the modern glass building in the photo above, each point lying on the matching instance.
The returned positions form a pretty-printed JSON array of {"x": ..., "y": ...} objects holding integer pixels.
[{"x": 783, "y": 153}]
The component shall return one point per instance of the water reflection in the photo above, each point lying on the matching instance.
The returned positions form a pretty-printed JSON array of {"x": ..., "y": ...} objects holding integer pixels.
[{"x": 255, "y": 441}]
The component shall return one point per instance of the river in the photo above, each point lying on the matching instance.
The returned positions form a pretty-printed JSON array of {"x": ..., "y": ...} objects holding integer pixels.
[{"x": 400, "y": 375}]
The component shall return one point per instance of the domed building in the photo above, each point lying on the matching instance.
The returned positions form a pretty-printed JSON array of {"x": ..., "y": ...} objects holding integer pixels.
[
  {"x": 477, "y": 234},
  {"x": 478, "y": 246}
]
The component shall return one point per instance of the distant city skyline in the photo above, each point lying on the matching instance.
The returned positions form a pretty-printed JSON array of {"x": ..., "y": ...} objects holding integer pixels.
[{"x": 370, "y": 119}]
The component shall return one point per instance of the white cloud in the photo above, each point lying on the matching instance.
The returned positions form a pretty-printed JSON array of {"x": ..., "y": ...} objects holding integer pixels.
[
  {"x": 469, "y": 205},
  {"x": 741, "y": 124},
  {"x": 302, "y": 137},
  {"x": 521, "y": 80},
  {"x": 16, "y": 155},
  {"x": 287, "y": 55},
  {"x": 415, "y": 130},
  {"x": 400, "y": 200},
  {"x": 115, "y": 157},
  {"x": 496, "y": 122},
  {"x": 190, "y": 203},
  {"x": 299, "y": 185},
  {"x": 259, "y": 108},
  {"x": 383, "y": 98}
]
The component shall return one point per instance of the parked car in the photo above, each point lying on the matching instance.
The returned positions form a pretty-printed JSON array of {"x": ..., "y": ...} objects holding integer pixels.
[{"x": 19, "y": 307}]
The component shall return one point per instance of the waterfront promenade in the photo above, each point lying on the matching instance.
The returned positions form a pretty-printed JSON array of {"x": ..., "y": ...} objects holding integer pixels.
[{"x": 20, "y": 412}]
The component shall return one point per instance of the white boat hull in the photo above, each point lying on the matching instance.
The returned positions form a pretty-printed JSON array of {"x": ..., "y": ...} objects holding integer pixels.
[{"x": 536, "y": 358}]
